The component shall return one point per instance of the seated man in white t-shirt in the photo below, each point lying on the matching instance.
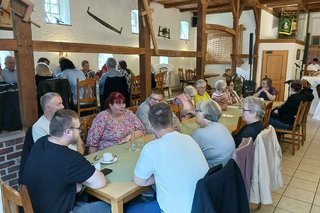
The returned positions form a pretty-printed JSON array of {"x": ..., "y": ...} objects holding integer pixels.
[
  {"x": 173, "y": 162},
  {"x": 50, "y": 103},
  {"x": 314, "y": 67}
]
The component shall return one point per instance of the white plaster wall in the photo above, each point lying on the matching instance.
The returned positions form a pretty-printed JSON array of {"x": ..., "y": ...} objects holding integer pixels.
[
  {"x": 314, "y": 28},
  {"x": 292, "y": 50},
  {"x": 269, "y": 26},
  {"x": 85, "y": 29},
  {"x": 225, "y": 19}
]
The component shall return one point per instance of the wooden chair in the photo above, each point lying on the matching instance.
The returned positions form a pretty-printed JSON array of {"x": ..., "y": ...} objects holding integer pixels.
[
  {"x": 307, "y": 72},
  {"x": 86, "y": 123},
  {"x": 167, "y": 80},
  {"x": 240, "y": 124},
  {"x": 175, "y": 109},
  {"x": 86, "y": 96},
  {"x": 267, "y": 114},
  {"x": 159, "y": 80},
  {"x": 181, "y": 77},
  {"x": 134, "y": 109},
  {"x": 295, "y": 131},
  {"x": 190, "y": 76},
  {"x": 135, "y": 90},
  {"x": 304, "y": 122},
  {"x": 13, "y": 199}
]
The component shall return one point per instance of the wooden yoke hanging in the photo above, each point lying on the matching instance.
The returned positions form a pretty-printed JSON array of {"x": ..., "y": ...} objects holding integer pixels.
[{"x": 146, "y": 14}]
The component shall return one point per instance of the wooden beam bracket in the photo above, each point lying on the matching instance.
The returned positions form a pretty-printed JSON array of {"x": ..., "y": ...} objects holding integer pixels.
[{"x": 146, "y": 14}]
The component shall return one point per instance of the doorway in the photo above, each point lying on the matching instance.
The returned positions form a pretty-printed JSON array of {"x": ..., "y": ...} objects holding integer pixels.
[{"x": 274, "y": 65}]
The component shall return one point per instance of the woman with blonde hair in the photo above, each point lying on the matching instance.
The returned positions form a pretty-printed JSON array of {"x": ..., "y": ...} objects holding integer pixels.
[{"x": 43, "y": 72}]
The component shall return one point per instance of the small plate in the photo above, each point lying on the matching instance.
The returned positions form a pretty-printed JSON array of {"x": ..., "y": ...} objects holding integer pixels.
[
  {"x": 109, "y": 162},
  {"x": 227, "y": 115}
]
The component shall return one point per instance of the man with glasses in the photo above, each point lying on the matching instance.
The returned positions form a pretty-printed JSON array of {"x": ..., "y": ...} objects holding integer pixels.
[
  {"x": 252, "y": 113},
  {"x": 50, "y": 103},
  {"x": 156, "y": 97},
  {"x": 54, "y": 173}
]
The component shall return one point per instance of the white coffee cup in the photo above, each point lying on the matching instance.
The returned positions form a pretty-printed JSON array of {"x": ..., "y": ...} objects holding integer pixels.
[{"x": 107, "y": 156}]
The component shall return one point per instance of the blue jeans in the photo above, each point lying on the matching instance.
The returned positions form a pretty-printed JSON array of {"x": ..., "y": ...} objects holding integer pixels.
[
  {"x": 278, "y": 124},
  {"x": 96, "y": 207},
  {"x": 146, "y": 206}
]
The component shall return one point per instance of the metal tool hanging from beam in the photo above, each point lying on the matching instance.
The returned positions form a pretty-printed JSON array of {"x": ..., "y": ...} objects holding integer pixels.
[{"x": 103, "y": 22}]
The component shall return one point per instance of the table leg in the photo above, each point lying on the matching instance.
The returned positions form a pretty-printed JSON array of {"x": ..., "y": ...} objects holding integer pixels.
[{"x": 117, "y": 206}]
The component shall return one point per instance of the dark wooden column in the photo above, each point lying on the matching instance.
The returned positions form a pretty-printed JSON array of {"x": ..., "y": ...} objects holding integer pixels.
[
  {"x": 25, "y": 67},
  {"x": 144, "y": 59},
  {"x": 235, "y": 4},
  {"x": 201, "y": 38},
  {"x": 257, "y": 17}
]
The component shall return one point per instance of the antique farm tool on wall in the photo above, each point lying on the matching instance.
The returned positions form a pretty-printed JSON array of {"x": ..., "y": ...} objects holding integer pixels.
[
  {"x": 147, "y": 15},
  {"x": 5, "y": 7},
  {"x": 103, "y": 22}
]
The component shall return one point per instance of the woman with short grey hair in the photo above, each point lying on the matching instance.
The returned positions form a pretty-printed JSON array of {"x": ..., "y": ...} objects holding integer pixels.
[
  {"x": 202, "y": 95},
  {"x": 220, "y": 95},
  {"x": 185, "y": 102},
  {"x": 252, "y": 113},
  {"x": 213, "y": 138}
]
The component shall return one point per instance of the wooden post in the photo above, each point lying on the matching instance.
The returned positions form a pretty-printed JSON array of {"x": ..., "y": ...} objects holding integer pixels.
[
  {"x": 201, "y": 38},
  {"x": 235, "y": 4},
  {"x": 144, "y": 59},
  {"x": 257, "y": 17},
  {"x": 25, "y": 67}
]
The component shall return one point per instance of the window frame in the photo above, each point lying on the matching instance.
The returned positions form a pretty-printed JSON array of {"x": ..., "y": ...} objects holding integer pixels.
[
  {"x": 136, "y": 21},
  {"x": 63, "y": 17},
  {"x": 187, "y": 37}
]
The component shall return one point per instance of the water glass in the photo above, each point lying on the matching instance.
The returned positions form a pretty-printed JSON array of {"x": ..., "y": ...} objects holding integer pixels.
[
  {"x": 140, "y": 143},
  {"x": 133, "y": 146}
]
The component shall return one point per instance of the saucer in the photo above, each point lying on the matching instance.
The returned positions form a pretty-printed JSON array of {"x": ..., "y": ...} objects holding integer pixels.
[{"x": 109, "y": 162}]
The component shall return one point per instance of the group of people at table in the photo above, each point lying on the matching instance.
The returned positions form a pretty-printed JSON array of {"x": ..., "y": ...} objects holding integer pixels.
[{"x": 173, "y": 161}]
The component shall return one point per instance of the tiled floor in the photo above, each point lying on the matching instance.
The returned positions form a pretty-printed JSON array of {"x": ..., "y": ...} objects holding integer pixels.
[{"x": 301, "y": 173}]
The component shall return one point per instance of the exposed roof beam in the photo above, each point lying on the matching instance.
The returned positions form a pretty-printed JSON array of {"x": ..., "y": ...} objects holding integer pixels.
[
  {"x": 180, "y": 3},
  {"x": 208, "y": 8}
]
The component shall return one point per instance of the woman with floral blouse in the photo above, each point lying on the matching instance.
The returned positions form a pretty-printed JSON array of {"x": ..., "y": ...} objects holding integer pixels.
[{"x": 113, "y": 125}]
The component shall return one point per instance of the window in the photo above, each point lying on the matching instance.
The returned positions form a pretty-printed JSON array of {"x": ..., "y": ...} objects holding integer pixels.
[
  {"x": 134, "y": 21},
  {"x": 103, "y": 59},
  {"x": 163, "y": 60},
  {"x": 57, "y": 11},
  {"x": 184, "y": 30}
]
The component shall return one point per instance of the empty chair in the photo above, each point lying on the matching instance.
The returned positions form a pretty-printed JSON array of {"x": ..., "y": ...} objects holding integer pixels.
[
  {"x": 159, "y": 80},
  {"x": 135, "y": 90},
  {"x": 167, "y": 81},
  {"x": 86, "y": 96},
  {"x": 12, "y": 199},
  {"x": 182, "y": 78},
  {"x": 86, "y": 122},
  {"x": 190, "y": 76}
]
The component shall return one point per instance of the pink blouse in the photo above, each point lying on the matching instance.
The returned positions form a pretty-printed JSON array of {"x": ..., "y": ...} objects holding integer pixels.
[{"x": 106, "y": 131}]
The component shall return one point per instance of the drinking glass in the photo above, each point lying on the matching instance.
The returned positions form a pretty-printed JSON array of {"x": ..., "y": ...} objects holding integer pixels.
[{"x": 133, "y": 146}]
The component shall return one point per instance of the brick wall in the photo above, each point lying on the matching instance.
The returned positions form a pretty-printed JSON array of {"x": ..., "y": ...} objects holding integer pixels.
[{"x": 11, "y": 145}]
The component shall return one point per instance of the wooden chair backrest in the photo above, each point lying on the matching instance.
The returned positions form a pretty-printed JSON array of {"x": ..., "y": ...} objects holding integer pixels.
[
  {"x": 86, "y": 94},
  {"x": 306, "y": 112},
  {"x": 267, "y": 114},
  {"x": 135, "y": 85},
  {"x": 190, "y": 75},
  {"x": 159, "y": 80},
  {"x": 181, "y": 74},
  {"x": 307, "y": 72},
  {"x": 240, "y": 124},
  {"x": 299, "y": 115},
  {"x": 134, "y": 109},
  {"x": 86, "y": 123},
  {"x": 12, "y": 199},
  {"x": 175, "y": 109}
]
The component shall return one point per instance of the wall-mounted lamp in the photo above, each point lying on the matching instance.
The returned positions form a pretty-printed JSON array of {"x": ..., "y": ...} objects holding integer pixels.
[
  {"x": 63, "y": 54},
  {"x": 164, "y": 32}
]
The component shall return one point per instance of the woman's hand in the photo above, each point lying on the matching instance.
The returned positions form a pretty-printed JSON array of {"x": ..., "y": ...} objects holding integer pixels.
[{"x": 126, "y": 139}]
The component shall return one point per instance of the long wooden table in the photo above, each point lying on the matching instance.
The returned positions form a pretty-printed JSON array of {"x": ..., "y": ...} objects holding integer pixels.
[{"x": 120, "y": 187}]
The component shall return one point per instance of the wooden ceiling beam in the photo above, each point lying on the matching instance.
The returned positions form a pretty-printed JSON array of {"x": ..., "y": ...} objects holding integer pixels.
[
  {"x": 8, "y": 44},
  {"x": 220, "y": 28},
  {"x": 218, "y": 6},
  {"x": 180, "y": 3}
]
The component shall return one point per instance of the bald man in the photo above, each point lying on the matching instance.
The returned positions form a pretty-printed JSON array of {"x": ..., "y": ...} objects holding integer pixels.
[{"x": 9, "y": 73}]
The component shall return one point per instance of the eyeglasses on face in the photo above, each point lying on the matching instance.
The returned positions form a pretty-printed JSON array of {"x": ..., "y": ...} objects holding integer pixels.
[
  {"x": 78, "y": 128},
  {"x": 246, "y": 110},
  {"x": 155, "y": 99}
]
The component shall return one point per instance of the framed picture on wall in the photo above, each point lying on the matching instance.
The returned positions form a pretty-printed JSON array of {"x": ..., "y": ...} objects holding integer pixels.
[{"x": 298, "y": 54}]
